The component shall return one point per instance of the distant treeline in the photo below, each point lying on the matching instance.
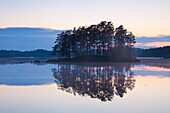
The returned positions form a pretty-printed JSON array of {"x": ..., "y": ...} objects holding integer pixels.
[
  {"x": 154, "y": 52},
  {"x": 34, "y": 53}
]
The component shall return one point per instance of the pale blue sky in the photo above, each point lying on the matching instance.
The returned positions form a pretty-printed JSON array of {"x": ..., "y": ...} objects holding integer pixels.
[{"x": 142, "y": 17}]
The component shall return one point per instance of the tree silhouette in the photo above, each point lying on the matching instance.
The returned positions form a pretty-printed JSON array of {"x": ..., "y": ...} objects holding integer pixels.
[{"x": 96, "y": 40}]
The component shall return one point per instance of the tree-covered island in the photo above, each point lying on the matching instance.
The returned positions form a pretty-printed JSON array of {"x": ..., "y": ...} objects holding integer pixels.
[{"x": 101, "y": 42}]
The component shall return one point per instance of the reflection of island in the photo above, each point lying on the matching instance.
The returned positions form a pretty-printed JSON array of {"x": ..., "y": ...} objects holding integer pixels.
[{"x": 96, "y": 81}]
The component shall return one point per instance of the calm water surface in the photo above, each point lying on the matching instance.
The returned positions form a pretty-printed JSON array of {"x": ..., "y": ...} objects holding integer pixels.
[{"x": 84, "y": 88}]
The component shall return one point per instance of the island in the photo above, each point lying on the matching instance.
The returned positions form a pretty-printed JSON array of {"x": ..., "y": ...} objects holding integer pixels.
[{"x": 101, "y": 42}]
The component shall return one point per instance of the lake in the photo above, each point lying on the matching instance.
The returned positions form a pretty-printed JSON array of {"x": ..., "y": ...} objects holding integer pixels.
[{"x": 85, "y": 88}]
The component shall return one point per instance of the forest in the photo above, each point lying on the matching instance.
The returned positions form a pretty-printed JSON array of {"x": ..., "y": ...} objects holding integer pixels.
[
  {"x": 151, "y": 52},
  {"x": 96, "y": 41},
  {"x": 34, "y": 53},
  {"x": 154, "y": 52}
]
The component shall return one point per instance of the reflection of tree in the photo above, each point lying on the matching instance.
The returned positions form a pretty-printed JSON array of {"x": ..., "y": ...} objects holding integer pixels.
[{"x": 96, "y": 81}]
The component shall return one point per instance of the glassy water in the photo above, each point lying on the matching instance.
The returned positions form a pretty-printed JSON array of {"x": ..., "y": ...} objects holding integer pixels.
[{"x": 84, "y": 88}]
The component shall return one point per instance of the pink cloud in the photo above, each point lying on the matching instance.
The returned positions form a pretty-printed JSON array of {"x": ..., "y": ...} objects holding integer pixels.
[
  {"x": 157, "y": 44},
  {"x": 154, "y": 44},
  {"x": 148, "y": 68}
]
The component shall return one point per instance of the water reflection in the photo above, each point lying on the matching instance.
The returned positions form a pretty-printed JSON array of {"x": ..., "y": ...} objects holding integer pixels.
[{"x": 95, "y": 80}]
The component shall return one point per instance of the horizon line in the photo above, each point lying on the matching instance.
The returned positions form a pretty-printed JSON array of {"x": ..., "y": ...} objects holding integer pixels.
[{"x": 160, "y": 35}]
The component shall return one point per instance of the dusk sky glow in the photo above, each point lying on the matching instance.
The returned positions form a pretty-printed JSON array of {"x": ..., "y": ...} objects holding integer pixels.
[{"x": 142, "y": 17}]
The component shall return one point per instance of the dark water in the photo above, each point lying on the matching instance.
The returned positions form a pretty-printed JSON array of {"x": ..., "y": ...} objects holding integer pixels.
[{"x": 84, "y": 88}]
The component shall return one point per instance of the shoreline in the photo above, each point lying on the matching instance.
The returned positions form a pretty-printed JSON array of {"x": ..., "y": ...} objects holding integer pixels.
[
  {"x": 52, "y": 60},
  {"x": 55, "y": 61},
  {"x": 162, "y": 63}
]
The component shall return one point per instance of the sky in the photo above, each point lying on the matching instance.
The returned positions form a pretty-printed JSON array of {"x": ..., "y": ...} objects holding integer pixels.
[
  {"x": 148, "y": 18},
  {"x": 40, "y": 38}
]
